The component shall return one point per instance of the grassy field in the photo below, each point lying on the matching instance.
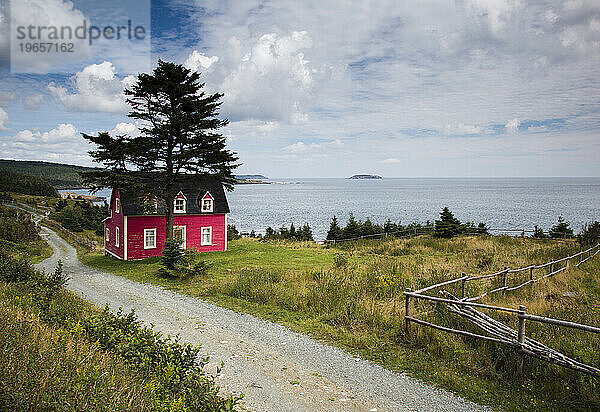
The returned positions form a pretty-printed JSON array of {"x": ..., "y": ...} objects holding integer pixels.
[{"x": 352, "y": 297}]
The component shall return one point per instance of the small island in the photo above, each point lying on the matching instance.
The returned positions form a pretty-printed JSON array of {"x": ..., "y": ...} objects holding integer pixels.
[
  {"x": 251, "y": 180},
  {"x": 365, "y": 177}
]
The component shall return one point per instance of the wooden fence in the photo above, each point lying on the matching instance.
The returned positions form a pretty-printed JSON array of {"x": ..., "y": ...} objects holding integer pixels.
[
  {"x": 428, "y": 230},
  {"x": 466, "y": 307},
  {"x": 43, "y": 214}
]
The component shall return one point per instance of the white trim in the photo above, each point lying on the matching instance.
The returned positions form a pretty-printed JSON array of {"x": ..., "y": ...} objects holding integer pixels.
[
  {"x": 112, "y": 253},
  {"x": 117, "y": 235},
  {"x": 125, "y": 238},
  {"x": 175, "y": 205},
  {"x": 202, "y": 236},
  {"x": 225, "y": 250},
  {"x": 212, "y": 203},
  {"x": 150, "y": 230},
  {"x": 106, "y": 234},
  {"x": 184, "y": 234},
  {"x": 117, "y": 205}
]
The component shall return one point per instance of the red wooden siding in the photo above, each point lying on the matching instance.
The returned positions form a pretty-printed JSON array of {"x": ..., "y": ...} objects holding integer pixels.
[
  {"x": 111, "y": 224},
  {"x": 193, "y": 224}
]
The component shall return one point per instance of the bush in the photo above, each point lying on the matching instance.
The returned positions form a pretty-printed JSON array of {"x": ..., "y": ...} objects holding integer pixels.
[
  {"x": 232, "y": 232},
  {"x": 590, "y": 235},
  {"x": 538, "y": 233},
  {"x": 174, "y": 369},
  {"x": 179, "y": 263}
]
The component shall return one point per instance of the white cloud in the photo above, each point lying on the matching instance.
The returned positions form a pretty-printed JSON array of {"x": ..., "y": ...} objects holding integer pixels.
[
  {"x": 62, "y": 143},
  {"x": 512, "y": 126},
  {"x": 128, "y": 129},
  {"x": 33, "y": 102},
  {"x": 390, "y": 161},
  {"x": 267, "y": 78},
  {"x": 301, "y": 147},
  {"x": 3, "y": 119},
  {"x": 199, "y": 62},
  {"x": 96, "y": 89}
]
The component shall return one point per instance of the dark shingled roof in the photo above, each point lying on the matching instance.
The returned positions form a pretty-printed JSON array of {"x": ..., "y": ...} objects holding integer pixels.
[{"x": 194, "y": 187}]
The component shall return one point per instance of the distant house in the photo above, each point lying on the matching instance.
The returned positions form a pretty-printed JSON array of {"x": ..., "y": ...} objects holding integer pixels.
[{"x": 135, "y": 228}]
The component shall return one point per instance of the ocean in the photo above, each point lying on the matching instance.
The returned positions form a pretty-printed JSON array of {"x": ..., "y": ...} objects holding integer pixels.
[{"x": 518, "y": 203}]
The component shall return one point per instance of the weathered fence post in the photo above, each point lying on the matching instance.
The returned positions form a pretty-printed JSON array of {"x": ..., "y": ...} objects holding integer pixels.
[
  {"x": 521, "y": 338},
  {"x": 504, "y": 280},
  {"x": 407, "y": 311},
  {"x": 531, "y": 273},
  {"x": 464, "y": 285},
  {"x": 551, "y": 267}
]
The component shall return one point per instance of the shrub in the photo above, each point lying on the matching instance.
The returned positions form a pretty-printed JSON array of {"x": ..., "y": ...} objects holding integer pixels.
[
  {"x": 590, "y": 235},
  {"x": 171, "y": 257},
  {"x": 538, "y": 233},
  {"x": 232, "y": 232}
]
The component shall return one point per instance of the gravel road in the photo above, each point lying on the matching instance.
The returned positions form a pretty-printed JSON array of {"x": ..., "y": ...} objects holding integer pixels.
[{"x": 277, "y": 369}]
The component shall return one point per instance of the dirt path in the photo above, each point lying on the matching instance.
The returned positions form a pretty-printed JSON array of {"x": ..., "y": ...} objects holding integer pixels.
[{"x": 277, "y": 369}]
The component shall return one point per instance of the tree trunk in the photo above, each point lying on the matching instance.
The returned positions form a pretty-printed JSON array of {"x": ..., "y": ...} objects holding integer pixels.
[{"x": 169, "y": 214}]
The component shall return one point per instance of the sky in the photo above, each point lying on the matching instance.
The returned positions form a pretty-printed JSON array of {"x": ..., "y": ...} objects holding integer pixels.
[{"x": 328, "y": 88}]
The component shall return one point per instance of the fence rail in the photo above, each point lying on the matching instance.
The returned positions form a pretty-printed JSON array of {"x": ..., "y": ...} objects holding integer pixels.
[
  {"x": 43, "y": 214},
  {"x": 502, "y": 333}
]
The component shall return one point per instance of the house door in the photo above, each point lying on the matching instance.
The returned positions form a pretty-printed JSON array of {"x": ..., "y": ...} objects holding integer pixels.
[{"x": 179, "y": 235}]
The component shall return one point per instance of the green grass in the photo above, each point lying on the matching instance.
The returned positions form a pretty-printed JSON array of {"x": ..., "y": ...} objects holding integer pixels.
[{"x": 352, "y": 297}]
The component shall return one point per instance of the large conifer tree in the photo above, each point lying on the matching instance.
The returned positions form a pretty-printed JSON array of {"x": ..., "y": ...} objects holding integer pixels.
[{"x": 179, "y": 128}]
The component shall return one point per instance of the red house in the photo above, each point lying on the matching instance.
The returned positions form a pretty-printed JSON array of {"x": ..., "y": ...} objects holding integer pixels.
[{"x": 135, "y": 228}]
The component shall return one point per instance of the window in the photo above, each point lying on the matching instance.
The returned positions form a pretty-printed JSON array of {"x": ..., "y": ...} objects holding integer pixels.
[
  {"x": 179, "y": 235},
  {"x": 107, "y": 235},
  {"x": 207, "y": 205},
  {"x": 179, "y": 206},
  {"x": 117, "y": 205},
  {"x": 149, "y": 238},
  {"x": 117, "y": 236},
  {"x": 206, "y": 239}
]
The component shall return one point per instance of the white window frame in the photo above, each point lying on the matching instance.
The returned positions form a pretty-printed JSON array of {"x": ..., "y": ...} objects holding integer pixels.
[
  {"x": 154, "y": 244},
  {"x": 116, "y": 236},
  {"x": 202, "y": 242},
  {"x": 117, "y": 205},
  {"x": 107, "y": 235},
  {"x": 210, "y": 199},
  {"x": 175, "y": 205},
  {"x": 184, "y": 243}
]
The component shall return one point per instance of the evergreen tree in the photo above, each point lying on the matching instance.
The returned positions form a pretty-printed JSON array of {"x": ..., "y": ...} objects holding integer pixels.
[
  {"x": 179, "y": 136},
  {"x": 334, "y": 232},
  {"x": 306, "y": 233},
  {"x": 562, "y": 229},
  {"x": 448, "y": 226},
  {"x": 352, "y": 228},
  {"x": 367, "y": 228},
  {"x": 482, "y": 229},
  {"x": 590, "y": 235},
  {"x": 538, "y": 232},
  {"x": 292, "y": 233}
]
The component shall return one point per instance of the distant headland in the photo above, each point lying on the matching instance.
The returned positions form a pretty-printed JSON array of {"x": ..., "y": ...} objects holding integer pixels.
[{"x": 365, "y": 177}]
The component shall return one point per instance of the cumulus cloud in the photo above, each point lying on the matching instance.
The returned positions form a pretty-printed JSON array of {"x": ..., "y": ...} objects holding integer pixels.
[
  {"x": 390, "y": 161},
  {"x": 512, "y": 126},
  {"x": 128, "y": 129},
  {"x": 267, "y": 78},
  {"x": 199, "y": 62},
  {"x": 62, "y": 143},
  {"x": 33, "y": 102},
  {"x": 267, "y": 126},
  {"x": 97, "y": 88}
]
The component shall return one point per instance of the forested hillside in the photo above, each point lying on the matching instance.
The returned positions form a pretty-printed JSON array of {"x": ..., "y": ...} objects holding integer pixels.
[
  {"x": 59, "y": 175},
  {"x": 25, "y": 184}
]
